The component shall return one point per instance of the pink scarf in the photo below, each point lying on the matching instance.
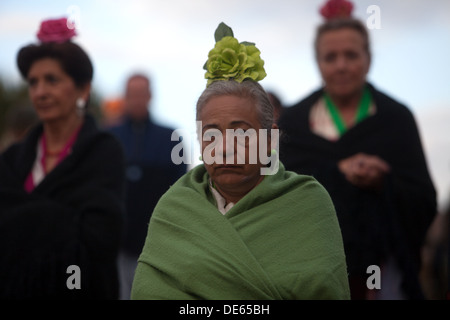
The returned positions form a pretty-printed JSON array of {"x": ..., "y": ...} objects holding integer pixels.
[{"x": 38, "y": 172}]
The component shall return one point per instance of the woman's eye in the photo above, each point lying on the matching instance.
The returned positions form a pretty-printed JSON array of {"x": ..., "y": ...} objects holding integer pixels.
[
  {"x": 239, "y": 132},
  {"x": 52, "y": 79},
  {"x": 352, "y": 55},
  {"x": 210, "y": 134},
  {"x": 32, "y": 82},
  {"x": 207, "y": 135},
  {"x": 329, "y": 57}
]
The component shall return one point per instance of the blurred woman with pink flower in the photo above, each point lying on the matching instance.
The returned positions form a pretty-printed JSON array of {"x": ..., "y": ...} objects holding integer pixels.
[{"x": 61, "y": 188}]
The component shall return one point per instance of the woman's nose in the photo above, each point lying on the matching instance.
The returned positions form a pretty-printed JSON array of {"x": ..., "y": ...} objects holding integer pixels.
[
  {"x": 39, "y": 90},
  {"x": 341, "y": 63},
  {"x": 228, "y": 148}
]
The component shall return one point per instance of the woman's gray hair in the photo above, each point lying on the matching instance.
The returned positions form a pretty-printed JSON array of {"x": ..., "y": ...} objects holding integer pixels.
[{"x": 247, "y": 89}]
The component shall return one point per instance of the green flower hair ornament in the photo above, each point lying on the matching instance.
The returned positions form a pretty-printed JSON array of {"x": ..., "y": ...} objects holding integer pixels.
[{"x": 230, "y": 59}]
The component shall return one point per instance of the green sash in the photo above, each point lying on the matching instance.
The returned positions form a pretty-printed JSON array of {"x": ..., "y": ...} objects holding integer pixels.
[
  {"x": 361, "y": 113},
  {"x": 281, "y": 241}
]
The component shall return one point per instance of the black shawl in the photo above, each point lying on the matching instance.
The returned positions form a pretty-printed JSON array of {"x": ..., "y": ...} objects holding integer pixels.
[
  {"x": 73, "y": 217},
  {"x": 372, "y": 224}
]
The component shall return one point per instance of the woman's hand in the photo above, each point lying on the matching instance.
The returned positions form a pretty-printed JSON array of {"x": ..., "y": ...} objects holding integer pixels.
[{"x": 364, "y": 171}]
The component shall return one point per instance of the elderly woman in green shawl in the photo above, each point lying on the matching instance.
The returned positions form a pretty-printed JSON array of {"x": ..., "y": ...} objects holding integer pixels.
[{"x": 229, "y": 229}]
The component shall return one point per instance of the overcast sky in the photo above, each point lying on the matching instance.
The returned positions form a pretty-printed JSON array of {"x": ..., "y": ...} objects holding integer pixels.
[{"x": 170, "y": 40}]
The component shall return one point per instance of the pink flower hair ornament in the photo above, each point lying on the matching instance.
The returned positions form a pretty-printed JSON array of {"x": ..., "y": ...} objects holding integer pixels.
[
  {"x": 336, "y": 9},
  {"x": 56, "y": 30}
]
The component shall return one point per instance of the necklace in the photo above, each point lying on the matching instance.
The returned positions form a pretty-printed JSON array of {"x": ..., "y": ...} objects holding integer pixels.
[
  {"x": 49, "y": 153},
  {"x": 62, "y": 153},
  {"x": 361, "y": 113}
]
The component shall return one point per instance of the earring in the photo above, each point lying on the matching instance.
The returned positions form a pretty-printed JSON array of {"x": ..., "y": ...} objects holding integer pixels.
[
  {"x": 200, "y": 158},
  {"x": 81, "y": 104}
]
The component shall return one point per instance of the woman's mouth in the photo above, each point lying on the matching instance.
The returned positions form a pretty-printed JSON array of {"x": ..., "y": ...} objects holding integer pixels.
[{"x": 228, "y": 166}]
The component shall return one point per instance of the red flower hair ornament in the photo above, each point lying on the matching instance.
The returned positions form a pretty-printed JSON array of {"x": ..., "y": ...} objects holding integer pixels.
[
  {"x": 335, "y": 9},
  {"x": 56, "y": 30}
]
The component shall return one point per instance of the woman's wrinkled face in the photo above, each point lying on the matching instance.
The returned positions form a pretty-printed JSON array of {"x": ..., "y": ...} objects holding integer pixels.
[
  {"x": 52, "y": 91},
  {"x": 343, "y": 61},
  {"x": 241, "y": 116}
]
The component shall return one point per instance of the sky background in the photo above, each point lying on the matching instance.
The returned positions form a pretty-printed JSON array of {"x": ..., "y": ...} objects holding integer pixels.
[{"x": 170, "y": 40}]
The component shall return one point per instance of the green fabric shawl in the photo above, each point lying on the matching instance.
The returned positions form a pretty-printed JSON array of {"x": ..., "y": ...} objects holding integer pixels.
[{"x": 281, "y": 241}]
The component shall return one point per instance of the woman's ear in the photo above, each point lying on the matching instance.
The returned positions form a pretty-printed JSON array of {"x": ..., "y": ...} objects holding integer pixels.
[
  {"x": 86, "y": 91},
  {"x": 269, "y": 139}
]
